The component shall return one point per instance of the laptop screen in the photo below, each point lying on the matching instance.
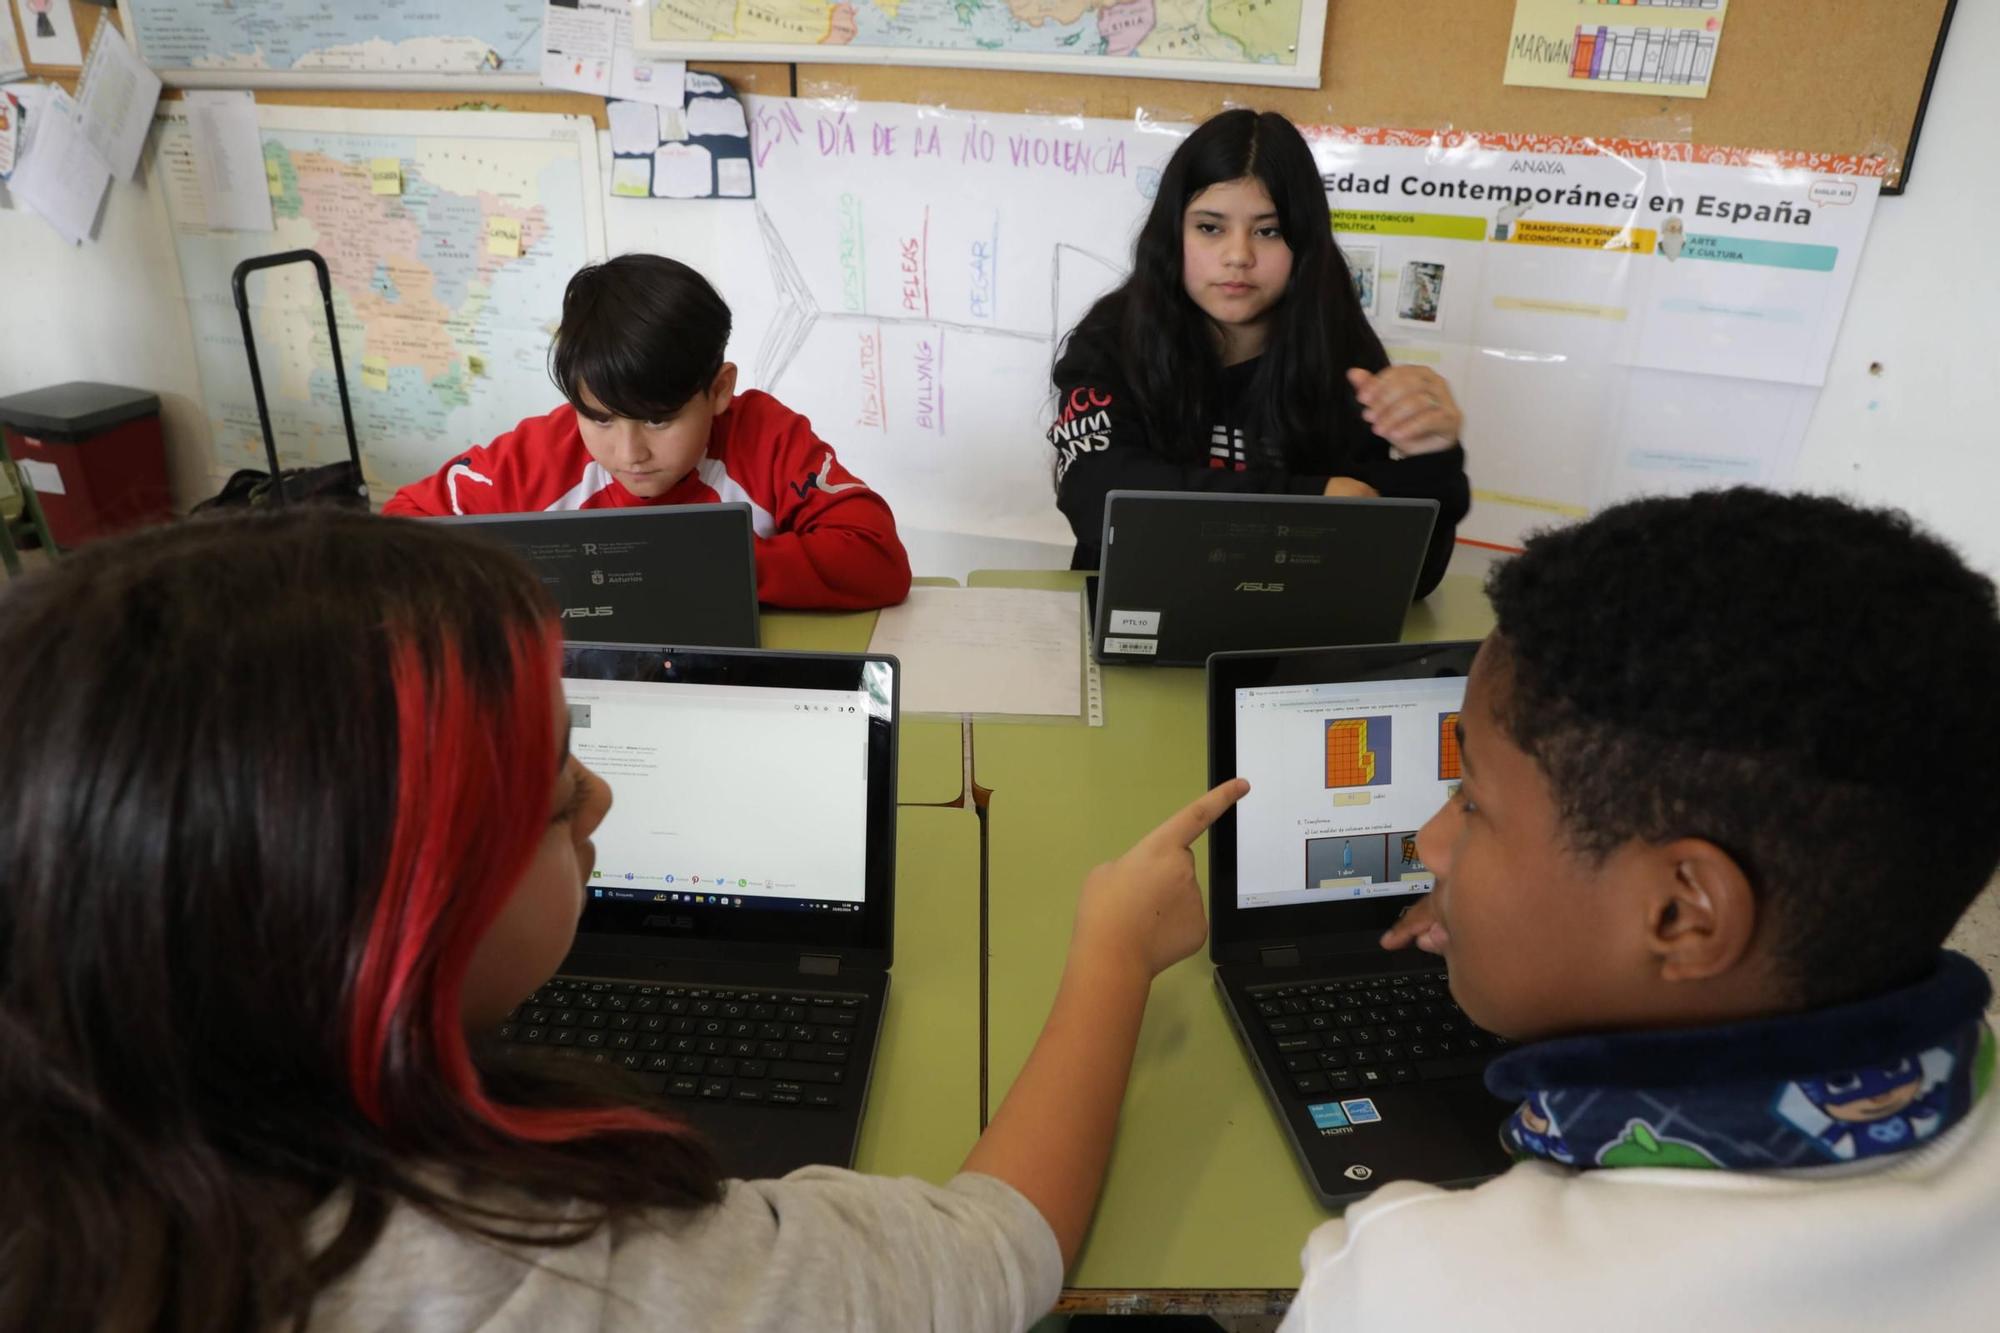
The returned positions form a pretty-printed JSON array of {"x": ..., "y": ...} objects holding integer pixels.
[
  {"x": 753, "y": 794},
  {"x": 698, "y": 771},
  {"x": 1342, "y": 776},
  {"x": 1349, "y": 752}
]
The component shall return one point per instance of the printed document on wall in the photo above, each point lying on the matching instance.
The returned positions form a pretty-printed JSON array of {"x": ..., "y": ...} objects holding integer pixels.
[
  {"x": 229, "y": 159},
  {"x": 58, "y": 173},
  {"x": 115, "y": 97}
]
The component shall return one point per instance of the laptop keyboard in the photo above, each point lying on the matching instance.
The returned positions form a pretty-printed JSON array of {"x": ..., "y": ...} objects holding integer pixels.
[
  {"x": 758, "y": 1047},
  {"x": 1369, "y": 1032}
]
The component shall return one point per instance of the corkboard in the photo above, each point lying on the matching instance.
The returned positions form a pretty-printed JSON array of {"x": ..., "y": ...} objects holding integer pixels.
[
  {"x": 1835, "y": 76},
  {"x": 769, "y": 79},
  {"x": 1832, "y": 76}
]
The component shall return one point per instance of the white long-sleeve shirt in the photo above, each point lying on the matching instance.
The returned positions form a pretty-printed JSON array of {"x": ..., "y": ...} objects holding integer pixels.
[{"x": 1904, "y": 1243}]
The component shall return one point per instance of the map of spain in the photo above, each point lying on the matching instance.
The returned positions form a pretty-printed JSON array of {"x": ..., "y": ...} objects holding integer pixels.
[
  {"x": 1230, "y": 32},
  {"x": 447, "y": 257}
]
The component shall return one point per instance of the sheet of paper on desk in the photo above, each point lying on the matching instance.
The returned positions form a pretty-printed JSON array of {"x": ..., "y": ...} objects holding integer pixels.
[
  {"x": 115, "y": 97},
  {"x": 987, "y": 650}
]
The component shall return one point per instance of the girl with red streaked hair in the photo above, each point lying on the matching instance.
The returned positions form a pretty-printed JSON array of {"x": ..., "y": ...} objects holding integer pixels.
[{"x": 289, "y": 812}]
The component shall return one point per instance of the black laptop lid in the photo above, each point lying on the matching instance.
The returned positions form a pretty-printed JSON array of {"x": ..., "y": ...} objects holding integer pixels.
[
  {"x": 1190, "y": 574},
  {"x": 657, "y": 574},
  {"x": 1349, "y": 751},
  {"x": 754, "y": 800}
]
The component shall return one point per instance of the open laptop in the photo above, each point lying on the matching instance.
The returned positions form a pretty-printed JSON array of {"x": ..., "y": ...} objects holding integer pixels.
[
  {"x": 734, "y": 949},
  {"x": 680, "y": 574},
  {"x": 1371, "y": 1068},
  {"x": 1187, "y": 574}
]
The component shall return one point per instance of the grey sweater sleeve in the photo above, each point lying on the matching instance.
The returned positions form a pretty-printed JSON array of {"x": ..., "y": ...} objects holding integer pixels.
[
  {"x": 822, "y": 1249},
  {"x": 830, "y": 1249}
]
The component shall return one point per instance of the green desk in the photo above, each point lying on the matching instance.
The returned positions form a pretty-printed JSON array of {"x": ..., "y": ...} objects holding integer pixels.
[
  {"x": 1205, "y": 1209},
  {"x": 931, "y": 764},
  {"x": 923, "y": 1106}
]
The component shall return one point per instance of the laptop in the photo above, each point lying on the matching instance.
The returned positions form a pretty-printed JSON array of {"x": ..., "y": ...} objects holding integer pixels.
[
  {"x": 1373, "y": 1071},
  {"x": 681, "y": 574},
  {"x": 734, "y": 949},
  {"x": 1187, "y": 574}
]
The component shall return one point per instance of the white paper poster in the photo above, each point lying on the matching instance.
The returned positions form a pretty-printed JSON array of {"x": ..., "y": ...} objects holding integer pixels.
[
  {"x": 51, "y": 32},
  {"x": 1613, "y": 317},
  {"x": 587, "y": 47}
]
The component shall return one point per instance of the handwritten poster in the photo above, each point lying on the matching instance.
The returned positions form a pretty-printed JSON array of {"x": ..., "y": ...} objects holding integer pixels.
[{"x": 1614, "y": 316}]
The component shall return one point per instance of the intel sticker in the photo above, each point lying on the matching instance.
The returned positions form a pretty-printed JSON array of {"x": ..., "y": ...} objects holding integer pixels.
[
  {"x": 1329, "y": 1115},
  {"x": 1361, "y": 1110},
  {"x": 1141, "y": 647},
  {"x": 1135, "y": 622}
]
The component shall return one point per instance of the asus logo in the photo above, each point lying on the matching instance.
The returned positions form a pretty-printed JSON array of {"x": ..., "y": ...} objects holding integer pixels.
[
  {"x": 581, "y": 612},
  {"x": 1254, "y": 587}
]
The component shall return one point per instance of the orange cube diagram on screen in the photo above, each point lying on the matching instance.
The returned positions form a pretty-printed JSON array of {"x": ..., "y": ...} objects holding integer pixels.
[
  {"x": 1450, "y": 766},
  {"x": 1357, "y": 751}
]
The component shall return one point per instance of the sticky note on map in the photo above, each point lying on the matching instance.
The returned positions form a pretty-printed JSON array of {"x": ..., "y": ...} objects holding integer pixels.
[
  {"x": 475, "y": 365},
  {"x": 375, "y": 373},
  {"x": 385, "y": 175},
  {"x": 503, "y": 237},
  {"x": 272, "y": 179}
]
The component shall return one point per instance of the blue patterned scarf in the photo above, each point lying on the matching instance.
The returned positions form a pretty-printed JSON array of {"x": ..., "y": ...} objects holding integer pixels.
[{"x": 1839, "y": 1084}]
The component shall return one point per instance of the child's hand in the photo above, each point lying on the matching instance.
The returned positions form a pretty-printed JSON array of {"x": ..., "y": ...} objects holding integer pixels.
[
  {"x": 1409, "y": 406},
  {"x": 1418, "y": 925},
  {"x": 1144, "y": 909}
]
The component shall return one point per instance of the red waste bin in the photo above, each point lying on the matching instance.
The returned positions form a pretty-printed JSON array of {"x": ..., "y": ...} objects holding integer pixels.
[{"x": 94, "y": 455}]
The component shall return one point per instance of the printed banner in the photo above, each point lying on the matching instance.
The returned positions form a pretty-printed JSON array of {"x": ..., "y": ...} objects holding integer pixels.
[{"x": 1613, "y": 316}]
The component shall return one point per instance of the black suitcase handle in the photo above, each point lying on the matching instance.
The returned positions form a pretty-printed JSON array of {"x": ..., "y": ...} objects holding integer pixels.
[{"x": 239, "y": 283}]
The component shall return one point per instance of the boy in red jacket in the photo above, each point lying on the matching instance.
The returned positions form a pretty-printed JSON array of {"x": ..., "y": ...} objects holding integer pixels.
[{"x": 654, "y": 418}]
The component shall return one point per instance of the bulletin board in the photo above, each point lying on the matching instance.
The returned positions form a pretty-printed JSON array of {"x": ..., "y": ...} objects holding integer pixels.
[
  {"x": 771, "y": 79},
  {"x": 1833, "y": 76}
]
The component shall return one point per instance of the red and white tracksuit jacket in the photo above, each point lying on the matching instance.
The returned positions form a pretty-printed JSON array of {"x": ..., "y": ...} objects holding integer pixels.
[{"x": 823, "y": 539}]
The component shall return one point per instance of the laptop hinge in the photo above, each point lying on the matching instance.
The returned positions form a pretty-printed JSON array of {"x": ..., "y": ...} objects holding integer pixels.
[
  {"x": 819, "y": 964},
  {"x": 1279, "y": 955}
]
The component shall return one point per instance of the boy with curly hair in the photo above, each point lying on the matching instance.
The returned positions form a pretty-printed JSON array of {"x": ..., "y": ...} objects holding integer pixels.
[{"x": 1727, "y": 788}]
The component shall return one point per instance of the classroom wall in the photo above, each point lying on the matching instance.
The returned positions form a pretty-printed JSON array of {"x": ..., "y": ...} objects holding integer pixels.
[
  {"x": 109, "y": 310},
  {"x": 1922, "y": 433}
]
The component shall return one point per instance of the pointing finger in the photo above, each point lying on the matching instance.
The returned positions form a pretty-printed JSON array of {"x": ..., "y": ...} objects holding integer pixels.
[{"x": 1185, "y": 825}]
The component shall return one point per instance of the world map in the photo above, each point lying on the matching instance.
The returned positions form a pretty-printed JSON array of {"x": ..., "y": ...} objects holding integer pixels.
[
  {"x": 472, "y": 38},
  {"x": 1243, "y": 34},
  {"x": 446, "y": 287}
]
